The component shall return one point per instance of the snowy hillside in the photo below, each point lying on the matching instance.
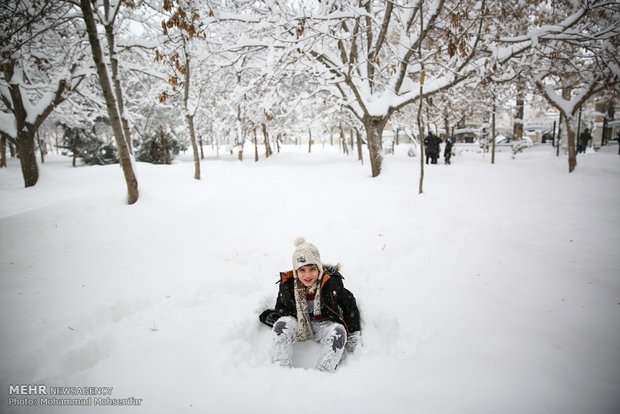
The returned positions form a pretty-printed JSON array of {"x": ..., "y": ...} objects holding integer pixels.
[{"x": 496, "y": 291}]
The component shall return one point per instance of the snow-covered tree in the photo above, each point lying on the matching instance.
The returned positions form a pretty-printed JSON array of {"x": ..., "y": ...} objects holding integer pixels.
[
  {"x": 41, "y": 56},
  {"x": 181, "y": 51},
  {"x": 372, "y": 54},
  {"x": 570, "y": 51},
  {"x": 110, "y": 86}
]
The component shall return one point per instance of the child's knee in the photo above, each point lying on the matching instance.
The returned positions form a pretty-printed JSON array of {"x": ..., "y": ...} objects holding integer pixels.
[
  {"x": 286, "y": 325},
  {"x": 340, "y": 337}
]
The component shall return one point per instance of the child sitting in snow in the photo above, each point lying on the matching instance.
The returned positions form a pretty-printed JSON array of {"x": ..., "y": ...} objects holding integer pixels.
[{"x": 313, "y": 304}]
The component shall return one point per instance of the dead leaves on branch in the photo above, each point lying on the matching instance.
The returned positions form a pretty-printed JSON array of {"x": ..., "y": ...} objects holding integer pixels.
[
  {"x": 457, "y": 35},
  {"x": 188, "y": 25},
  {"x": 175, "y": 63},
  {"x": 301, "y": 27},
  {"x": 180, "y": 19},
  {"x": 129, "y": 3},
  {"x": 457, "y": 46}
]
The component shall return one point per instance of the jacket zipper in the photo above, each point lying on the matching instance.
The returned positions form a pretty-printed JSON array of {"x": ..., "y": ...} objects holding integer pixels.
[{"x": 337, "y": 314}]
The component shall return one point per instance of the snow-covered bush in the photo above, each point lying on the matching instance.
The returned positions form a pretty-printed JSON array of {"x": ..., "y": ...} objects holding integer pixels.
[
  {"x": 159, "y": 149},
  {"x": 519, "y": 146},
  {"x": 82, "y": 143}
]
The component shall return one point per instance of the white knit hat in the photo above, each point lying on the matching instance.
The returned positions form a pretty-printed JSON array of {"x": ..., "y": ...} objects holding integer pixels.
[{"x": 305, "y": 254}]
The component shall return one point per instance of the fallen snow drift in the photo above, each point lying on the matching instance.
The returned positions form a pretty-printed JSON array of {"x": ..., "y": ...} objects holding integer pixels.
[{"x": 495, "y": 291}]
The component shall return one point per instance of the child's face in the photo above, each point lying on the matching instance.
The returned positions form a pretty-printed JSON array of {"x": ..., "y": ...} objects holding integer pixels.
[{"x": 308, "y": 274}]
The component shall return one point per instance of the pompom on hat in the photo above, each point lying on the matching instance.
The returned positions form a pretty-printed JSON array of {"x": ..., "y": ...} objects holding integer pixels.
[{"x": 306, "y": 253}]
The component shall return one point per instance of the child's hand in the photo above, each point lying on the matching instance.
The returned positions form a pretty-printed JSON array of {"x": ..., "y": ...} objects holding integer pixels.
[{"x": 353, "y": 340}]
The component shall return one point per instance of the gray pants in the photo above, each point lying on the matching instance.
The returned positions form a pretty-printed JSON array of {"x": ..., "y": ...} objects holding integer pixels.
[{"x": 330, "y": 335}]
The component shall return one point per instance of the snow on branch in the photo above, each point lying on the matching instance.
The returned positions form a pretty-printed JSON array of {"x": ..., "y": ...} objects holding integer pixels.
[
  {"x": 548, "y": 31},
  {"x": 570, "y": 106},
  {"x": 8, "y": 125}
]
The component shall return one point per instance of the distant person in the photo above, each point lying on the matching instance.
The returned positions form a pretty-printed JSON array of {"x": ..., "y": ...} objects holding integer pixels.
[
  {"x": 436, "y": 149},
  {"x": 484, "y": 140},
  {"x": 584, "y": 137},
  {"x": 427, "y": 142},
  {"x": 432, "y": 144},
  {"x": 447, "y": 152},
  {"x": 313, "y": 304}
]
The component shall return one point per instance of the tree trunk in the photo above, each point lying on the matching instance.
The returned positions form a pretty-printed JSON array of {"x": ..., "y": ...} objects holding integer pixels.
[
  {"x": 26, "y": 130},
  {"x": 421, "y": 143},
  {"x": 76, "y": 138},
  {"x": 493, "y": 135},
  {"x": 420, "y": 129},
  {"x": 164, "y": 147},
  {"x": 111, "y": 105},
  {"x": 267, "y": 145},
  {"x": 3, "y": 152},
  {"x": 27, "y": 158},
  {"x": 202, "y": 154},
  {"x": 571, "y": 144},
  {"x": 255, "y": 146},
  {"x": 374, "y": 131},
  {"x": 189, "y": 113},
  {"x": 192, "y": 136},
  {"x": 41, "y": 144},
  {"x": 309, "y": 140},
  {"x": 25, "y": 140},
  {"x": 240, "y": 145},
  {"x": 517, "y": 133},
  {"x": 351, "y": 142},
  {"x": 109, "y": 30},
  {"x": 343, "y": 141},
  {"x": 360, "y": 157}
]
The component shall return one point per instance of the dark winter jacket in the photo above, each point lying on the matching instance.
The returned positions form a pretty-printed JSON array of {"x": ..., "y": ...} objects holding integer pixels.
[
  {"x": 431, "y": 143},
  {"x": 337, "y": 303},
  {"x": 584, "y": 137}
]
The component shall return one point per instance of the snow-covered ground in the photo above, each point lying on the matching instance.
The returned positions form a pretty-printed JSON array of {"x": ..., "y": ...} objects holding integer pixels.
[{"x": 496, "y": 291}]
